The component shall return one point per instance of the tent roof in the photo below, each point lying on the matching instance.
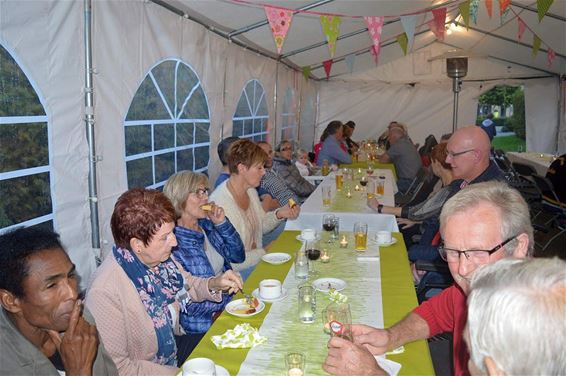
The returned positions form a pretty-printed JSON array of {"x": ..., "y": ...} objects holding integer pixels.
[{"x": 245, "y": 23}]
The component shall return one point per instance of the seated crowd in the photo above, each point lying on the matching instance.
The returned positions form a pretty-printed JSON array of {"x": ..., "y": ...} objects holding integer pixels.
[{"x": 180, "y": 255}]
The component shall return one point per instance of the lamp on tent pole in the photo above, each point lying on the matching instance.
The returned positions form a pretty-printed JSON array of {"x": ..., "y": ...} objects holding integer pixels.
[{"x": 456, "y": 68}]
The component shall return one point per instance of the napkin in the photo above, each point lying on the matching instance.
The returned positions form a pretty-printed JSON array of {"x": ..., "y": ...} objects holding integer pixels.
[
  {"x": 243, "y": 336},
  {"x": 337, "y": 297},
  {"x": 371, "y": 254},
  {"x": 392, "y": 368}
]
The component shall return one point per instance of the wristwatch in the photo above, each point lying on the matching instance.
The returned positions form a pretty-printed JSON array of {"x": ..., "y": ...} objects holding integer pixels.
[{"x": 379, "y": 208}]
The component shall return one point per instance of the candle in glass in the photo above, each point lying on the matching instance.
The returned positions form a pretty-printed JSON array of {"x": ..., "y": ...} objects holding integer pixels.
[{"x": 343, "y": 242}]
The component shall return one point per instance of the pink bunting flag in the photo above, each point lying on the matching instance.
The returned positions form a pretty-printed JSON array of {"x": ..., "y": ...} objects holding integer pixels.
[
  {"x": 489, "y": 7},
  {"x": 375, "y": 26},
  {"x": 522, "y": 27},
  {"x": 327, "y": 64},
  {"x": 503, "y": 4},
  {"x": 436, "y": 25},
  {"x": 550, "y": 55},
  {"x": 280, "y": 21}
]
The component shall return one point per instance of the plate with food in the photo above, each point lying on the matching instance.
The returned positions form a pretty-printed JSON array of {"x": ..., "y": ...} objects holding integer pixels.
[
  {"x": 276, "y": 258},
  {"x": 328, "y": 284},
  {"x": 241, "y": 308}
]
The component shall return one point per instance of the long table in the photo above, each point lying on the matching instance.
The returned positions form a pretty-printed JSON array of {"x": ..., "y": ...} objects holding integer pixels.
[
  {"x": 397, "y": 297},
  {"x": 539, "y": 161}
]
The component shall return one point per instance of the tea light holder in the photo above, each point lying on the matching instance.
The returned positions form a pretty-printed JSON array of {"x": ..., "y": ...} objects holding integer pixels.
[
  {"x": 357, "y": 188},
  {"x": 349, "y": 194},
  {"x": 359, "y": 171},
  {"x": 343, "y": 242},
  {"x": 324, "y": 256}
]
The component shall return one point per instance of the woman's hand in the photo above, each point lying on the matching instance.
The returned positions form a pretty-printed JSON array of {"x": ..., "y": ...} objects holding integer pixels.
[
  {"x": 229, "y": 281},
  {"x": 373, "y": 203},
  {"x": 288, "y": 211},
  {"x": 216, "y": 214},
  {"x": 406, "y": 223}
]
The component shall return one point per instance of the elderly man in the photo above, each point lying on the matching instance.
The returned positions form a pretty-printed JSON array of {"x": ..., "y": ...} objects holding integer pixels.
[
  {"x": 481, "y": 224},
  {"x": 42, "y": 329},
  {"x": 513, "y": 303},
  {"x": 404, "y": 156},
  {"x": 468, "y": 154}
]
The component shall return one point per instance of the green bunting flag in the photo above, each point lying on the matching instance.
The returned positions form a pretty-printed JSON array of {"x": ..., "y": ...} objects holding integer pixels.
[
  {"x": 536, "y": 44},
  {"x": 542, "y": 7},
  {"x": 403, "y": 42},
  {"x": 465, "y": 12},
  {"x": 306, "y": 72}
]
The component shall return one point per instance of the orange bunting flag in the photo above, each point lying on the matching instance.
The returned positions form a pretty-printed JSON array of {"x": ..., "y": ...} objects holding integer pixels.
[
  {"x": 489, "y": 7},
  {"x": 327, "y": 64},
  {"x": 280, "y": 22},
  {"x": 503, "y": 4}
]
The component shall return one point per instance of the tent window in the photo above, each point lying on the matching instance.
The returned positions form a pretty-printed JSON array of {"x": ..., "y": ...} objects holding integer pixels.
[
  {"x": 288, "y": 118},
  {"x": 250, "y": 119},
  {"x": 25, "y": 171},
  {"x": 167, "y": 126}
]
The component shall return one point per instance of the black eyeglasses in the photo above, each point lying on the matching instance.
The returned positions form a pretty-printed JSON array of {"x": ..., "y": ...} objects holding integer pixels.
[
  {"x": 477, "y": 256},
  {"x": 452, "y": 154},
  {"x": 286, "y": 149},
  {"x": 201, "y": 192}
]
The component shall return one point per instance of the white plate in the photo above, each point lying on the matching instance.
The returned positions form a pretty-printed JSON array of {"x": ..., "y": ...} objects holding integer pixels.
[
  {"x": 283, "y": 295},
  {"x": 239, "y": 304},
  {"x": 299, "y": 238},
  {"x": 393, "y": 241},
  {"x": 276, "y": 258},
  {"x": 221, "y": 371},
  {"x": 325, "y": 284}
]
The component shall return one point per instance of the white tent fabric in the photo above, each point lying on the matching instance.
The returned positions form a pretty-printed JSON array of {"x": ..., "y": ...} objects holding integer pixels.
[{"x": 542, "y": 106}]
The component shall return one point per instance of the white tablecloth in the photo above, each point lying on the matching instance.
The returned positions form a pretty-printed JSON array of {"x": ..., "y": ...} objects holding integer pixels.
[
  {"x": 538, "y": 161},
  {"x": 312, "y": 209}
]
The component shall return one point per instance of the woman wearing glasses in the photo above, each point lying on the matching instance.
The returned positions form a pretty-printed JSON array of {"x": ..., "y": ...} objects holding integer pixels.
[
  {"x": 286, "y": 169},
  {"x": 206, "y": 243}
]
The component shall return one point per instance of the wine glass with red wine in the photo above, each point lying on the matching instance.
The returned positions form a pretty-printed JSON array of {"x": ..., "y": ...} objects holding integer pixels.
[
  {"x": 312, "y": 250},
  {"x": 328, "y": 224}
]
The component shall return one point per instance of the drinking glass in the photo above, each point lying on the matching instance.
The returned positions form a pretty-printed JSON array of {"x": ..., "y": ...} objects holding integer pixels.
[
  {"x": 301, "y": 264},
  {"x": 360, "y": 236},
  {"x": 312, "y": 251},
  {"x": 336, "y": 230},
  {"x": 307, "y": 304},
  {"x": 339, "y": 179},
  {"x": 338, "y": 320},
  {"x": 295, "y": 364},
  {"x": 379, "y": 187},
  {"x": 326, "y": 195}
]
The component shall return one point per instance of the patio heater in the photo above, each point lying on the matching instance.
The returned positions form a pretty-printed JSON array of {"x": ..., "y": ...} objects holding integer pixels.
[{"x": 456, "y": 68}]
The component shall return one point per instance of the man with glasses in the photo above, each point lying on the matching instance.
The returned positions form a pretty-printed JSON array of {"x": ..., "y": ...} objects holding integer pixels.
[
  {"x": 480, "y": 225},
  {"x": 468, "y": 153}
]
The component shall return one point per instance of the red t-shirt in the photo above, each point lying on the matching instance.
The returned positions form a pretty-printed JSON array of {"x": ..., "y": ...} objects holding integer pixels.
[{"x": 448, "y": 312}]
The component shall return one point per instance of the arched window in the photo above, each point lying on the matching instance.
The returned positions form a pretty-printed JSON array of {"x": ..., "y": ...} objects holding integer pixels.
[
  {"x": 288, "y": 116},
  {"x": 166, "y": 126},
  {"x": 251, "y": 117},
  {"x": 25, "y": 171}
]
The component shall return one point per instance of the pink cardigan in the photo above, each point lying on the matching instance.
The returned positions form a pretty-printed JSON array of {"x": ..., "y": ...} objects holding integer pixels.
[{"x": 125, "y": 328}]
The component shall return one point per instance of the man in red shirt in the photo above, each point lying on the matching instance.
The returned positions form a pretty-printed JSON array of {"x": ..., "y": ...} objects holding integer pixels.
[{"x": 480, "y": 225}]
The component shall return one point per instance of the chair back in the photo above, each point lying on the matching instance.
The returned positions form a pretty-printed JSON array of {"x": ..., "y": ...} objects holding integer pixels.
[{"x": 523, "y": 169}]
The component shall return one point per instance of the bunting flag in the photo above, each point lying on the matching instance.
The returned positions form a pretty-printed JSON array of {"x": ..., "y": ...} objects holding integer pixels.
[
  {"x": 474, "y": 6},
  {"x": 409, "y": 23},
  {"x": 542, "y": 7},
  {"x": 375, "y": 53},
  {"x": 536, "y": 44},
  {"x": 522, "y": 27},
  {"x": 327, "y": 64},
  {"x": 306, "y": 72},
  {"x": 280, "y": 22},
  {"x": 403, "y": 40},
  {"x": 489, "y": 7},
  {"x": 503, "y": 4},
  {"x": 465, "y": 12},
  {"x": 350, "y": 61},
  {"x": 375, "y": 26},
  {"x": 550, "y": 56},
  {"x": 436, "y": 25},
  {"x": 331, "y": 29},
  {"x": 504, "y": 16}
]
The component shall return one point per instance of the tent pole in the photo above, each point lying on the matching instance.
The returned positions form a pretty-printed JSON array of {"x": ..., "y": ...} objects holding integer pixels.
[
  {"x": 275, "y": 101},
  {"x": 89, "y": 122}
]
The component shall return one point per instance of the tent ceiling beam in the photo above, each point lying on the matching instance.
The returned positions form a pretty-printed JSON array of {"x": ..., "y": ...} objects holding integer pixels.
[
  {"x": 258, "y": 24},
  {"x": 548, "y": 14}
]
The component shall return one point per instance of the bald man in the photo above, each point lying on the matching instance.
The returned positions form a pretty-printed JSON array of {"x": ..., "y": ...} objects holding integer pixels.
[{"x": 468, "y": 154}]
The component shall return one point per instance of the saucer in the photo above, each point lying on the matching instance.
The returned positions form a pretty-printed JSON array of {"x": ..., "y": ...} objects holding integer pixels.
[
  {"x": 239, "y": 306},
  {"x": 299, "y": 238},
  {"x": 325, "y": 284},
  {"x": 283, "y": 295},
  {"x": 276, "y": 258},
  {"x": 393, "y": 241}
]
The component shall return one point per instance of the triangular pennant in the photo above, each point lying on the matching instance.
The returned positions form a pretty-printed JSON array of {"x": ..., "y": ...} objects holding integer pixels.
[
  {"x": 403, "y": 40},
  {"x": 550, "y": 56},
  {"x": 465, "y": 12},
  {"x": 489, "y": 7},
  {"x": 503, "y": 4},
  {"x": 331, "y": 29},
  {"x": 542, "y": 7},
  {"x": 536, "y": 44},
  {"x": 327, "y": 64},
  {"x": 375, "y": 26},
  {"x": 439, "y": 34},
  {"x": 522, "y": 27},
  {"x": 306, "y": 72},
  {"x": 350, "y": 61},
  {"x": 375, "y": 53},
  {"x": 409, "y": 23},
  {"x": 474, "y": 6},
  {"x": 280, "y": 22},
  {"x": 437, "y": 23},
  {"x": 503, "y": 17}
]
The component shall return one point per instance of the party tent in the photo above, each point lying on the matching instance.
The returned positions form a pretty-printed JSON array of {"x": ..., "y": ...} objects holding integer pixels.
[{"x": 99, "y": 96}]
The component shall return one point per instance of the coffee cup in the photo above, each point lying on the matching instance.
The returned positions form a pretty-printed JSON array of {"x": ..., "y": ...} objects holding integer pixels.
[
  {"x": 200, "y": 367},
  {"x": 383, "y": 237},
  {"x": 308, "y": 234},
  {"x": 269, "y": 289}
]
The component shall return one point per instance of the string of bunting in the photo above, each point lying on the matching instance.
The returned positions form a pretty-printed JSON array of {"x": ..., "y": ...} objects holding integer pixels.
[{"x": 280, "y": 20}]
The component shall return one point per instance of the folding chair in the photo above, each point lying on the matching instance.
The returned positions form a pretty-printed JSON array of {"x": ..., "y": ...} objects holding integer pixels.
[
  {"x": 552, "y": 206},
  {"x": 416, "y": 184}
]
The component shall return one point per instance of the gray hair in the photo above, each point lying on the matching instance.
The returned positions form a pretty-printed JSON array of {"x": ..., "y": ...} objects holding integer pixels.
[
  {"x": 180, "y": 185},
  {"x": 517, "y": 316},
  {"x": 512, "y": 209}
]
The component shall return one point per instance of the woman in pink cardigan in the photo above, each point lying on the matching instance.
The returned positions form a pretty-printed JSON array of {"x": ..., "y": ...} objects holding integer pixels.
[{"x": 136, "y": 293}]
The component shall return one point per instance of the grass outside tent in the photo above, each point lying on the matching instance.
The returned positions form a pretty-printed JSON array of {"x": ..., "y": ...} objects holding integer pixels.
[{"x": 509, "y": 143}]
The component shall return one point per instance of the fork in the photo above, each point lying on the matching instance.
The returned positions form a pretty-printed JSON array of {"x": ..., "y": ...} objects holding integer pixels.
[{"x": 248, "y": 297}]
